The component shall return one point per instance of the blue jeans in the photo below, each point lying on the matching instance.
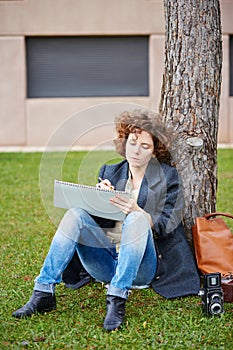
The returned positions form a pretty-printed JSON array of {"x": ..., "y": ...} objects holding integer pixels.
[{"x": 135, "y": 265}]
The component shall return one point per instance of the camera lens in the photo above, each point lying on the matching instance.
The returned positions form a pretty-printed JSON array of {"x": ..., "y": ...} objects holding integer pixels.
[
  {"x": 215, "y": 309},
  {"x": 215, "y": 305}
]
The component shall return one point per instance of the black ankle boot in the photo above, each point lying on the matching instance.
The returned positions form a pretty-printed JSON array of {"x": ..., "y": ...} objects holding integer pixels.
[
  {"x": 40, "y": 302},
  {"x": 115, "y": 312}
]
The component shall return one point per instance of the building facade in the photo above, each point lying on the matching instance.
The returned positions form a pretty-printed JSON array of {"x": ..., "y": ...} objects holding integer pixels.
[{"x": 59, "y": 58}]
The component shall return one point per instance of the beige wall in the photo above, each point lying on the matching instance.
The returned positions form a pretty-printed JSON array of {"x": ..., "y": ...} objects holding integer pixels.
[
  {"x": 224, "y": 113},
  {"x": 12, "y": 91},
  {"x": 83, "y": 17},
  {"x": 32, "y": 122}
]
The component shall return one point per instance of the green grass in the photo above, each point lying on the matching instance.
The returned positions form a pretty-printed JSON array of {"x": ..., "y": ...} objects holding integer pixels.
[{"x": 27, "y": 226}]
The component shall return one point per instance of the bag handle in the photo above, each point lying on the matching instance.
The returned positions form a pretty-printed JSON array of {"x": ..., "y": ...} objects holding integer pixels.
[{"x": 208, "y": 216}]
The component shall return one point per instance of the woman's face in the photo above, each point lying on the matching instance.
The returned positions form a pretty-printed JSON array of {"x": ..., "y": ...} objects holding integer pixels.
[{"x": 139, "y": 149}]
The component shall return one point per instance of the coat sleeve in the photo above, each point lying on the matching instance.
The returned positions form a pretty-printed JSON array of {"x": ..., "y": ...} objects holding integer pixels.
[
  {"x": 169, "y": 211},
  {"x": 102, "y": 170},
  {"x": 102, "y": 222}
]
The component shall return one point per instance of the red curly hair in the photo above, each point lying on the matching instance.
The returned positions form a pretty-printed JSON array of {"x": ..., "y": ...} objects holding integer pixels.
[{"x": 138, "y": 120}]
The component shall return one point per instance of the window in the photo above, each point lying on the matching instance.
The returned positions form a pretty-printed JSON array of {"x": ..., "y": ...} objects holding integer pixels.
[
  {"x": 231, "y": 65},
  {"x": 87, "y": 66}
]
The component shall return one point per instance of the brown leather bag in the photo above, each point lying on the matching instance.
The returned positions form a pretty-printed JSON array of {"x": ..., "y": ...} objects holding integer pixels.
[
  {"x": 213, "y": 243},
  {"x": 227, "y": 286}
]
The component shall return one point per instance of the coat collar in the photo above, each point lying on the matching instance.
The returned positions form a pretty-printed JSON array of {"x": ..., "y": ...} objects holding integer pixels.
[{"x": 154, "y": 175}]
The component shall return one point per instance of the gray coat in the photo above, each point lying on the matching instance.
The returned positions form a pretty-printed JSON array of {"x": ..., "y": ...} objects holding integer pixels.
[{"x": 161, "y": 196}]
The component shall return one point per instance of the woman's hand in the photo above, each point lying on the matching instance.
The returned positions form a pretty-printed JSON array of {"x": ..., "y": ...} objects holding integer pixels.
[
  {"x": 125, "y": 204},
  {"x": 128, "y": 205},
  {"x": 105, "y": 184}
]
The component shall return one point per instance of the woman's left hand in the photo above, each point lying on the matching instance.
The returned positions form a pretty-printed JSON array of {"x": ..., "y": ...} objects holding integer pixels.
[{"x": 127, "y": 205}]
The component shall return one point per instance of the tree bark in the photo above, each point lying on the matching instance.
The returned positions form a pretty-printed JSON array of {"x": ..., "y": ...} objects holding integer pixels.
[{"x": 190, "y": 98}]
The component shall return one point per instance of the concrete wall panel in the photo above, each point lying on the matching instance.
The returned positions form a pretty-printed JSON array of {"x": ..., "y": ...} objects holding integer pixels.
[
  {"x": 230, "y": 121},
  {"x": 46, "y": 117},
  {"x": 223, "y": 131},
  {"x": 156, "y": 59},
  {"x": 12, "y": 91},
  {"x": 84, "y": 17}
]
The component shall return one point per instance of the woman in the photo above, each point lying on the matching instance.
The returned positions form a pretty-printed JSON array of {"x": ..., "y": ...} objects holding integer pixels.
[{"x": 148, "y": 248}]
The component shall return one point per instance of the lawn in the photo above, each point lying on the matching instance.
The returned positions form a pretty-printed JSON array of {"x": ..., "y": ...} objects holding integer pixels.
[{"x": 27, "y": 224}]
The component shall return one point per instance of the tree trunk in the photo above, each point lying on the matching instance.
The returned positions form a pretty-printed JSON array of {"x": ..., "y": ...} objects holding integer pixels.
[{"x": 190, "y": 98}]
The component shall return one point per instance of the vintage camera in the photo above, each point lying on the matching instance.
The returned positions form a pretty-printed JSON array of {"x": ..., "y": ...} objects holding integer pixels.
[{"x": 212, "y": 294}]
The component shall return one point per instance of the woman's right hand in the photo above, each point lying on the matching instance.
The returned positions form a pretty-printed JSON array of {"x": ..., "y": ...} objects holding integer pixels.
[{"x": 105, "y": 185}]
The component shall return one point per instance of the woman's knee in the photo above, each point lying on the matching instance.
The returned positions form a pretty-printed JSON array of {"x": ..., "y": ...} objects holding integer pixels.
[
  {"x": 72, "y": 222},
  {"x": 74, "y": 214},
  {"x": 136, "y": 227},
  {"x": 137, "y": 218}
]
